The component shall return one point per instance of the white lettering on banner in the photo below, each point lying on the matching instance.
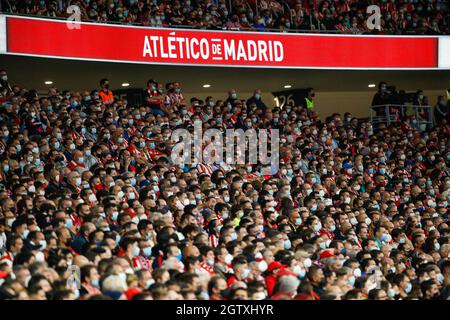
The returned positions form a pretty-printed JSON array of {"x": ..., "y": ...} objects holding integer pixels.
[
  {"x": 216, "y": 49},
  {"x": 172, "y": 54},
  {"x": 195, "y": 55}
]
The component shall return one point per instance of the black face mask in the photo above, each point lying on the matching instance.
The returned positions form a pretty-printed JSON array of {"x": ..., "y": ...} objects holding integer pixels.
[
  {"x": 224, "y": 293},
  {"x": 115, "y": 251},
  {"x": 106, "y": 86}
]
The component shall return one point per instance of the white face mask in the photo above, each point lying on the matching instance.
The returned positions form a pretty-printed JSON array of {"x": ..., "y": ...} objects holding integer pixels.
[
  {"x": 92, "y": 197},
  {"x": 307, "y": 263},
  {"x": 135, "y": 220},
  {"x": 39, "y": 256},
  {"x": 259, "y": 296},
  {"x": 228, "y": 258},
  {"x": 262, "y": 266}
]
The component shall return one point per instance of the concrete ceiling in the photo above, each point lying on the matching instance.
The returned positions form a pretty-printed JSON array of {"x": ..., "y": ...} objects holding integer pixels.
[{"x": 79, "y": 75}]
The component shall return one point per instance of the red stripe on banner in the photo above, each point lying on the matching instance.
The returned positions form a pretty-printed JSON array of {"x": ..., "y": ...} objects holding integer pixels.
[{"x": 167, "y": 46}]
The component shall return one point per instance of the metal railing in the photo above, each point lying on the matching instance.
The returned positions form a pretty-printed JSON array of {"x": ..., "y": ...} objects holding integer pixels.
[{"x": 393, "y": 113}]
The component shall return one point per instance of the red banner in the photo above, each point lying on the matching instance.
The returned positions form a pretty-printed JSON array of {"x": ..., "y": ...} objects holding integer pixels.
[{"x": 103, "y": 42}]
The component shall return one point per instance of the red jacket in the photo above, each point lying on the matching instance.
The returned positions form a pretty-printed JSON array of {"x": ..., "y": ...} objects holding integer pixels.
[{"x": 271, "y": 280}]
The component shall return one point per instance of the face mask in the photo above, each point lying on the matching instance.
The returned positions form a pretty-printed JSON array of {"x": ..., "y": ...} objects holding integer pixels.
[
  {"x": 391, "y": 293},
  {"x": 92, "y": 198},
  {"x": 69, "y": 223},
  {"x": 408, "y": 288},
  {"x": 318, "y": 227},
  {"x": 135, "y": 220},
  {"x": 351, "y": 280},
  {"x": 78, "y": 182},
  {"x": 95, "y": 283},
  {"x": 25, "y": 234},
  {"x": 39, "y": 256},
  {"x": 437, "y": 246},
  {"x": 228, "y": 259},
  {"x": 245, "y": 273},
  {"x": 357, "y": 272},
  {"x": 287, "y": 244},
  {"x": 115, "y": 215},
  {"x": 386, "y": 237},
  {"x": 259, "y": 296},
  {"x": 136, "y": 251},
  {"x": 323, "y": 245},
  {"x": 131, "y": 196},
  {"x": 307, "y": 263},
  {"x": 298, "y": 221},
  {"x": 147, "y": 252},
  {"x": 368, "y": 221},
  {"x": 32, "y": 189},
  {"x": 43, "y": 244}
]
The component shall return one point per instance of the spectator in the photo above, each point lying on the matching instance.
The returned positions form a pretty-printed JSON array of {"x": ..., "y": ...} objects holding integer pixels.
[
  {"x": 350, "y": 214},
  {"x": 441, "y": 110},
  {"x": 428, "y": 18}
]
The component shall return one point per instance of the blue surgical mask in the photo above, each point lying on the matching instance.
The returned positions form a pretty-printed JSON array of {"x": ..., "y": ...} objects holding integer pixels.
[
  {"x": 318, "y": 227},
  {"x": 408, "y": 288},
  {"x": 136, "y": 251},
  {"x": 147, "y": 252},
  {"x": 69, "y": 223},
  {"x": 287, "y": 244}
]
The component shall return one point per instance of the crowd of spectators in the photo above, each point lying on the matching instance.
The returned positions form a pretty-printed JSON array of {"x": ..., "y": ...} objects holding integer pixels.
[
  {"x": 343, "y": 16},
  {"x": 88, "y": 195}
]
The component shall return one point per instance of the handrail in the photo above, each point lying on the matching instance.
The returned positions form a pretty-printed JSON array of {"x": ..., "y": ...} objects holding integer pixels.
[
  {"x": 388, "y": 117},
  {"x": 402, "y": 105}
]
